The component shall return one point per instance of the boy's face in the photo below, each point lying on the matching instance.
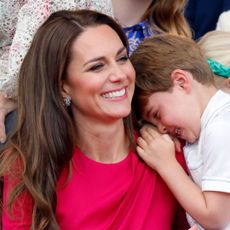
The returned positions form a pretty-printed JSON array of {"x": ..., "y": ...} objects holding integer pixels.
[{"x": 174, "y": 112}]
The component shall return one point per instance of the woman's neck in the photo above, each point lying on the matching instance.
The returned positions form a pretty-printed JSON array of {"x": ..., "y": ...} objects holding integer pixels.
[
  {"x": 105, "y": 143},
  {"x": 129, "y": 12}
]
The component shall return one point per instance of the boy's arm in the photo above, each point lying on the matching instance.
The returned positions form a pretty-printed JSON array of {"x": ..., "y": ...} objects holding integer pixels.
[{"x": 210, "y": 209}]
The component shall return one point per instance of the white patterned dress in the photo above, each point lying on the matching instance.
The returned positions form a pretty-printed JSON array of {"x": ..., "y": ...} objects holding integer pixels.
[{"x": 19, "y": 20}]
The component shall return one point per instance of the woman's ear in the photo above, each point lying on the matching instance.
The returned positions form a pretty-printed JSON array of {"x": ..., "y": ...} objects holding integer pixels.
[
  {"x": 65, "y": 94},
  {"x": 65, "y": 89},
  {"x": 182, "y": 79}
]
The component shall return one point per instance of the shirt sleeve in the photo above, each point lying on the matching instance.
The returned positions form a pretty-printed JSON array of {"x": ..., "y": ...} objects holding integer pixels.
[{"x": 216, "y": 150}]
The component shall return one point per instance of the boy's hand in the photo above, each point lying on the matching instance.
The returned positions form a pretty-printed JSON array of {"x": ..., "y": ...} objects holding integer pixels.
[{"x": 156, "y": 149}]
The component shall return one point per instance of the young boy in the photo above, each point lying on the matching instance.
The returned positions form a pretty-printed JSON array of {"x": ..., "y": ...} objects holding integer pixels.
[{"x": 175, "y": 91}]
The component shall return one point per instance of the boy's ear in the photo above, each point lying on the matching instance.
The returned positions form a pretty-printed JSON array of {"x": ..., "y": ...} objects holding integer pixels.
[{"x": 181, "y": 79}]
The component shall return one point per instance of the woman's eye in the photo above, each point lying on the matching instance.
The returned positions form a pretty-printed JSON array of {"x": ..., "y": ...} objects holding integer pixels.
[
  {"x": 96, "y": 67},
  {"x": 123, "y": 58}
]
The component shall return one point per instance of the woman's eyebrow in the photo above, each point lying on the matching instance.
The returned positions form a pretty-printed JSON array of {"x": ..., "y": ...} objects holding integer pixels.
[{"x": 102, "y": 57}]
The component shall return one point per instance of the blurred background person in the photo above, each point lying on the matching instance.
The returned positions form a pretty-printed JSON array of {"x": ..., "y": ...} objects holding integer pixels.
[
  {"x": 215, "y": 45},
  {"x": 202, "y": 15}
]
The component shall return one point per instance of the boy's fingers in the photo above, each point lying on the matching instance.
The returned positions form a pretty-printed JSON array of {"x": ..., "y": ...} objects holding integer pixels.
[
  {"x": 153, "y": 132},
  {"x": 141, "y": 142},
  {"x": 147, "y": 136},
  {"x": 149, "y": 129},
  {"x": 140, "y": 151}
]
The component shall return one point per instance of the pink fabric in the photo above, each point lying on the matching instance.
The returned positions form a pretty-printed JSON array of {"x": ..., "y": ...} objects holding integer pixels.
[
  {"x": 125, "y": 195},
  {"x": 20, "y": 218}
]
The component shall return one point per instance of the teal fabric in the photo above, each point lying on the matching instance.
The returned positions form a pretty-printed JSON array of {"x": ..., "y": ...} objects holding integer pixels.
[{"x": 219, "y": 69}]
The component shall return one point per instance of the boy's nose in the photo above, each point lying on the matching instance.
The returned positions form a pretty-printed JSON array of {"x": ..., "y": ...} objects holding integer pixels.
[{"x": 162, "y": 129}]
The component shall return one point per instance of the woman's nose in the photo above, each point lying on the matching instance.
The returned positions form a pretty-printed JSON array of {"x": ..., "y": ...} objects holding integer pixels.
[{"x": 117, "y": 73}]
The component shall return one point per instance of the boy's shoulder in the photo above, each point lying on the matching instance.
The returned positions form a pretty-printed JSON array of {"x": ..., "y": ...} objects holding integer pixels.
[
  {"x": 217, "y": 110},
  {"x": 216, "y": 120}
]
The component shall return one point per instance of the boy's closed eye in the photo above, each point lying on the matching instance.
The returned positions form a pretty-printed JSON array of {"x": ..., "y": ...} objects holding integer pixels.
[{"x": 156, "y": 115}]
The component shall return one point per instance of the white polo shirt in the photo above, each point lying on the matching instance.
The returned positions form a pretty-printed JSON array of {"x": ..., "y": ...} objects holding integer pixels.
[{"x": 208, "y": 159}]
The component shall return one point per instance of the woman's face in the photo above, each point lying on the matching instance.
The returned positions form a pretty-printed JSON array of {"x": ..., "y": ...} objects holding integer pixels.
[{"x": 100, "y": 78}]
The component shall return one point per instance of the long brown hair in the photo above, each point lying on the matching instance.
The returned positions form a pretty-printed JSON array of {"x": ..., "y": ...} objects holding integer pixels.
[
  {"x": 168, "y": 16},
  {"x": 43, "y": 142}
]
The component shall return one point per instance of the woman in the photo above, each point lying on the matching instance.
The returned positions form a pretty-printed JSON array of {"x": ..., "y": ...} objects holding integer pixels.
[
  {"x": 139, "y": 19},
  {"x": 71, "y": 162}
]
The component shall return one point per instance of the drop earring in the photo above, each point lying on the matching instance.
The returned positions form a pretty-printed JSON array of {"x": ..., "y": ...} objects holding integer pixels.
[{"x": 67, "y": 100}]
